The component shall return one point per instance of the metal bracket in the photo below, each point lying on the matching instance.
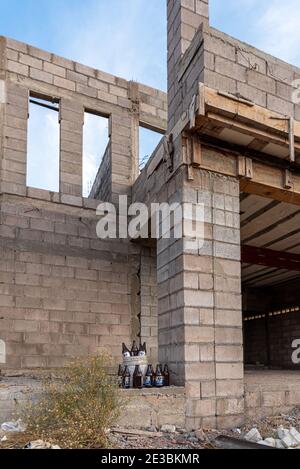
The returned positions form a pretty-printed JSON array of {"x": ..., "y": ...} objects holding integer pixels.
[{"x": 236, "y": 98}]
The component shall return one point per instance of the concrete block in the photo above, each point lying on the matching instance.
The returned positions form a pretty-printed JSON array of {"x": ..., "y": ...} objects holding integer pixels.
[
  {"x": 260, "y": 81},
  {"x": 18, "y": 68},
  {"x": 31, "y": 61},
  {"x": 55, "y": 69},
  {"x": 280, "y": 105},
  {"x": 64, "y": 83},
  {"x": 253, "y": 435},
  {"x": 230, "y": 69},
  {"x": 271, "y": 442}
]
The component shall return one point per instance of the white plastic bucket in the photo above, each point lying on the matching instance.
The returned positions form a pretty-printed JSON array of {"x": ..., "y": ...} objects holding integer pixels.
[{"x": 131, "y": 362}]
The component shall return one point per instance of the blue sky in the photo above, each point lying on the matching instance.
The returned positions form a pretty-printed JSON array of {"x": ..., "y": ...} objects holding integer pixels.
[{"x": 128, "y": 37}]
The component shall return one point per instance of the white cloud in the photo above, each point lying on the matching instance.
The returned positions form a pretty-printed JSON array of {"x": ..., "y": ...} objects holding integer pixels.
[
  {"x": 278, "y": 30},
  {"x": 43, "y": 149},
  {"x": 95, "y": 141},
  {"x": 115, "y": 37},
  {"x": 270, "y": 25}
]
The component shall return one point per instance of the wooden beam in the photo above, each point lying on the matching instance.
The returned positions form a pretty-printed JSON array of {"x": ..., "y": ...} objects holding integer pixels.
[
  {"x": 270, "y": 258},
  {"x": 267, "y": 181},
  {"x": 257, "y": 116}
]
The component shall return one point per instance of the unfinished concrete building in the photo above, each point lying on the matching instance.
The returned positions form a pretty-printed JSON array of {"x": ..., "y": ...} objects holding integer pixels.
[{"x": 232, "y": 142}]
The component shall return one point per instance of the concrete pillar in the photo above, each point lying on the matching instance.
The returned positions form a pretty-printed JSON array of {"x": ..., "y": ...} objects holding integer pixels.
[
  {"x": 199, "y": 305},
  {"x": 71, "y": 138},
  {"x": 184, "y": 18}
]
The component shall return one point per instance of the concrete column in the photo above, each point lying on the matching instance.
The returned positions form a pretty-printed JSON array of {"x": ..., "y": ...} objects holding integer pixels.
[
  {"x": 121, "y": 155},
  {"x": 184, "y": 18},
  {"x": 199, "y": 305},
  {"x": 71, "y": 137},
  {"x": 13, "y": 137}
]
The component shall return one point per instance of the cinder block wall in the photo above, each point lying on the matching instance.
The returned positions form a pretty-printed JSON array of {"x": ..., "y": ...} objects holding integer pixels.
[
  {"x": 64, "y": 292},
  {"x": 236, "y": 67},
  {"x": 148, "y": 294},
  {"x": 184, "y": 18}
]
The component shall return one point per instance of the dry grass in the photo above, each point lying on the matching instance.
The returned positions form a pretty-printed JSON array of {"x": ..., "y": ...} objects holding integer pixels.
[{"x": 76, "y": 410}]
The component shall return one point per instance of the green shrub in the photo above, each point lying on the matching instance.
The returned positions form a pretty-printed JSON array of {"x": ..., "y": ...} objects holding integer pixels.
[{"x": 76, "y": 410}]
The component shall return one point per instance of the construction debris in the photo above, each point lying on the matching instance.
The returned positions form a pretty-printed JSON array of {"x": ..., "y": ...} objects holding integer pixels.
[
  {"x": 13, "y": 427},
  {"x": 287, "y": 438},
  {"x": 253, "y": 436},
  {"x": 40, "y": 444},
  {"x": 168, "y": 429}
]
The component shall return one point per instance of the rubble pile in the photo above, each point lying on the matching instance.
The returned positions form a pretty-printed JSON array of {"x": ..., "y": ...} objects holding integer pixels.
[{"x": 286, "y": 438}]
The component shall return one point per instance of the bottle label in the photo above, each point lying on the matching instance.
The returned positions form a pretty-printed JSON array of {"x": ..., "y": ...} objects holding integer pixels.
[
  {"x": 126, "y": 354},
  {"x": 139, "y": 382},
  {"x": 126, "y": 382},
  {"x": 142, "y": 353},
  {"x": 147, "y": 381},
  {"x": 159, "y": 381}
]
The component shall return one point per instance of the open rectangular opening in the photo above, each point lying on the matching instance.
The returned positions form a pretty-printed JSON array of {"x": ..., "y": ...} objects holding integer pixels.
[
  {"x": 96, "y": 140},
  {"x": 270, "y": 282},
  {"x": 43, "y": 143},
  {"x": 148, "y": 141}
]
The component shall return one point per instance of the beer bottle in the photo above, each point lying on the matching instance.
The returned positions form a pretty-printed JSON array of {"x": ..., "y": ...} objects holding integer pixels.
[
  {"x": 125, "y": 351},
  {"x": 126, "y": 378},
  {"x": 138, "y": 378},
  {"x": 148, "y": 380},
  {"x": 153, "y": 375},
  {"x": 142, "y": 350},
  {"x": 166, "y": 376},
  {"x": 120, "y": 376},
  {"x": 159, "y": 378},
  {"x": 134, "y": 349}
]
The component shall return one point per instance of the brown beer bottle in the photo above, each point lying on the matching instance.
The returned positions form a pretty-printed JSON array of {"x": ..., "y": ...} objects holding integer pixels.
[
  {"x": 142, "y": 350},
  {"x": 126, "y": 378},
  {"x": 148, "y": 380},
  {"x": 159, "y": 378},
  {"x": 166, "y": 376},
  {"x": 134, "y": 349},
  {"x": 125, "y": 351},
  {"x": 120, "y": 376},
  {"x": 153, "y": 375},
  {"x": 138, "y": 378}
]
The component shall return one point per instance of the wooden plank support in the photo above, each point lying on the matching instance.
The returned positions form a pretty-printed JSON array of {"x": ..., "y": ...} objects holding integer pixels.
[
  {"x": 256, "y": 116},
  {"x": 270, "y": 258},
  {"x": 196, "y": 151},
  {"x": 264, "y": 126},
  {"x": 245, "y": 167},
  {"x": 288, "y": 180},
  {"x": 249, "y": 168},
  {"x": 268, "y": 181}
]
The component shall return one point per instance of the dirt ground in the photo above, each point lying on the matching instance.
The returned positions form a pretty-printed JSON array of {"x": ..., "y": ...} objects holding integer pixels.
[
  {"x": 121, "y": 438},
  {"x": 203, "y": 439}
]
